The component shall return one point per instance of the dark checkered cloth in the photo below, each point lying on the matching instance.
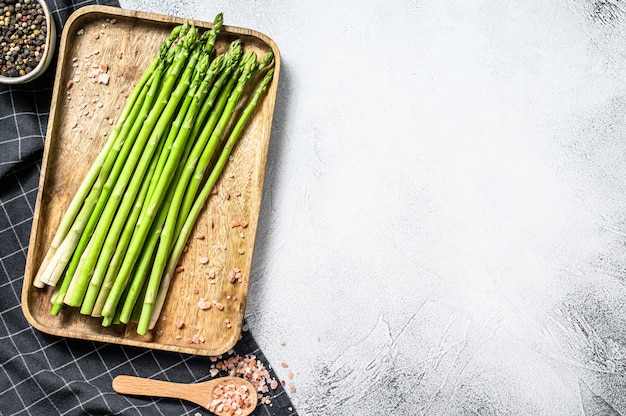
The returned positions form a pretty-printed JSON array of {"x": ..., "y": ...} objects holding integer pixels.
[{"x": 42, "y": 374}]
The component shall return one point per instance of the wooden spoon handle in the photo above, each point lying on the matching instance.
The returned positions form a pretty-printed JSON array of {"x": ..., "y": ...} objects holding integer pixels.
[{"x": 148, "y": 387}]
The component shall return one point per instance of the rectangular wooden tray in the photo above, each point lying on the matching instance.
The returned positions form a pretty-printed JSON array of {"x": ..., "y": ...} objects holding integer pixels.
[{"x": 80, "y": 118}]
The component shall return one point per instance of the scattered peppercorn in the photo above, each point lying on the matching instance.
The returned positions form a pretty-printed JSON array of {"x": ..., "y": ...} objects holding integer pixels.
[{"x": 23, "y": 30}]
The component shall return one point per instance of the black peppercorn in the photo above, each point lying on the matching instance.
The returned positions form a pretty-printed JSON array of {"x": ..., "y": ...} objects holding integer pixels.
[{"x": 22, "y": 32}]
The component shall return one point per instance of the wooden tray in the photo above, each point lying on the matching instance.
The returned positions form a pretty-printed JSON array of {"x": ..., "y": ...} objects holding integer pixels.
[{"x": 79, "y": 118}]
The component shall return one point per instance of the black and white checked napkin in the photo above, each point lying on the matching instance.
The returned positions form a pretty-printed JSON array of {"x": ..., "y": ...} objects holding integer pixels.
[{"x": 42, "y": 374}]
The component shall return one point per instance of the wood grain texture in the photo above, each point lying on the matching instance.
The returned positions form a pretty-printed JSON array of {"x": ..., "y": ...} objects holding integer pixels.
[{"x": 78, "y": 127}]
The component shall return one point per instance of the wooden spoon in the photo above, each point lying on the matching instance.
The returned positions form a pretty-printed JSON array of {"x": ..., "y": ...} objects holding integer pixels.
[{"x": 199, "y": 393}]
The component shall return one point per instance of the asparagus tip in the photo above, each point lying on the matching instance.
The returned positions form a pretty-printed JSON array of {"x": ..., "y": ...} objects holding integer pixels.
[
  {"x": 202, "y": 66},
  {"x": 205, "y": 37},
  {"x": 249, "y": 60},
  {"x": 266, "y": 61},
  {"x": 175, "y": 33},
  {"x": 234, "y": 53},
  {"x": 266, "y": 80},
  {"x": 269, "y": 56},
  {"x": 190, "y": 37},
  {"x": 217, "y": 64},
  {"x": 218, "y": 21},
  {"x": 163, "y": 50}
]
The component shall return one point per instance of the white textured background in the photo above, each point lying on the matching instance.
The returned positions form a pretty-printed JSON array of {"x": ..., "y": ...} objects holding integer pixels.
[{"x": 445, "y": 204}]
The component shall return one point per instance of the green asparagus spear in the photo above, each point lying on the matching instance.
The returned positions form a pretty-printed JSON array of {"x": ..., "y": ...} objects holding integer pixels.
[
  {"x": 248, "y": 65},
  {"x": 146, "y": 122},
  {"x": 185, "y": 115},
  {"x": 142, "y": 230},
  {"x": 151, "y": 311}
]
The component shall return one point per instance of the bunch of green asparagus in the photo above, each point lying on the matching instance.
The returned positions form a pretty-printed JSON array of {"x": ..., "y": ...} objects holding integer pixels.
[{"x": 118, "y": 245}]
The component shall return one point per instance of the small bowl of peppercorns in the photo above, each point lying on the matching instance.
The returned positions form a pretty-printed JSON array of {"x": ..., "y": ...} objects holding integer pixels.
[{"x": 27, "y": 40}]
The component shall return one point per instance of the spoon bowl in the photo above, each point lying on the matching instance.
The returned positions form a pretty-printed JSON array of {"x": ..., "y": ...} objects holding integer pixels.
[{"x": 216, "y": 395}]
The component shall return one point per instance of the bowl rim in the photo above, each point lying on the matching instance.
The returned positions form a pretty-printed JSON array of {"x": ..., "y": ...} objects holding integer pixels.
[{"x": 47, "y": 55}]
